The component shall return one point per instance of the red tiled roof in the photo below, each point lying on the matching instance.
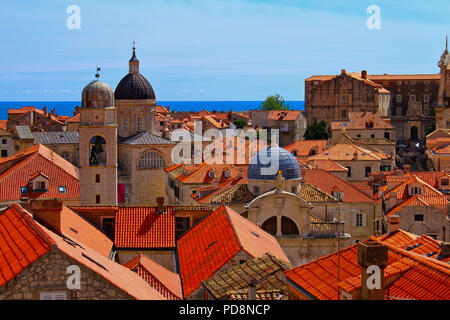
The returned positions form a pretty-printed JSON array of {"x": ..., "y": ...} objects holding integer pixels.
[
  {"x": 284, "y": 115},
  {"x": 23, "y": 241},
  {"x": 3, "y": 124},
  {"x": 326, "y": 181},
  {"x": 39, "y": 158},
  {"x": 359, "y": 121},
  {"x": 164, "y": 281},
  {"x": 346, "y": 152},
  {"x": 142, "y": 227},
  {"x": 304, "y": 147},
  {"x": 425, "y": 278},
  {"x": 77, "y": 228},
  {"x": 75, "y": 118},
  {"x": 215, "y": 240}
]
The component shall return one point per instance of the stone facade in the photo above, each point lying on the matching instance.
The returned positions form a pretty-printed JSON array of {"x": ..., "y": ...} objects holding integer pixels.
[
  {"x": 48, "y": 274},
  {"x": 425, "y": 220}
]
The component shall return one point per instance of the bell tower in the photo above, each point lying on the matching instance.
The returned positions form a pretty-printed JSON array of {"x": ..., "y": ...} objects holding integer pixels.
[
  {"x": 442, "y": 109},
  {"x": 98, "y": 145}
]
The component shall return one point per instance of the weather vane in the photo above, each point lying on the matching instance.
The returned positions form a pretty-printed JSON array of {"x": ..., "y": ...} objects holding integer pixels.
[
  {"x": 97, "y": 75},
  {"x": 134, "y": 44}
]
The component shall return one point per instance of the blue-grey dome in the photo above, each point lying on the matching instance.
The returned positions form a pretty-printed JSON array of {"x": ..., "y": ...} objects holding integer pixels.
[{"x": 266, "y": 163}]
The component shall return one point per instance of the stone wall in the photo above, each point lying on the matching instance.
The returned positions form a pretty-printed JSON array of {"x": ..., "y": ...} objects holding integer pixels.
[{"x": 48, "y": 274}]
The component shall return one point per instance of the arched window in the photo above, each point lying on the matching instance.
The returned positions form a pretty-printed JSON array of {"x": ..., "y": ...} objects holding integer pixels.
[
  {"x": 270, "y": 225},
  {"x": 288, "y": 227},
  {"x": 414, "y": 133},
  {"x": 97, "y": 153},
  {"x": 151, "y": 159}
]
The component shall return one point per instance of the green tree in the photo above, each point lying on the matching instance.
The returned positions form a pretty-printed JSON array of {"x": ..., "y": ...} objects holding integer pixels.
[
  {"x": 275, "y": 102},
  {"x": 240, "y": 124},
  {"x": 316, "y": 131}
]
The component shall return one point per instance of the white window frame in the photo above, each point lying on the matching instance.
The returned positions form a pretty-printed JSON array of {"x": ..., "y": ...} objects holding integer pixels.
[
  {"x": 125, "y": 124},
  {"x": 360, "y": 219}
]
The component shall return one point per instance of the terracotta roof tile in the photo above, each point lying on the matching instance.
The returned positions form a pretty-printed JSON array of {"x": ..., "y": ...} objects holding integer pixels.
[
  {"x": 425, "y": 278},
  {"x": 29, "y": 240},
  {"x": 216, "y": 239},
  {"x": 142, "y": 227},
  {"x": 361, "y": 121},
  {"x": 21, "y": 242},
  {"x": 163, "y": 280},
  {"x": 303, "y": 148},
  {"x": 327, "y": 181},
  {"x": 39, "y": 159}
]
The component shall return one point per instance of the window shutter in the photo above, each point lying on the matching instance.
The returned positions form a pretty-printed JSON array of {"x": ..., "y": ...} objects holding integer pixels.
[
  {"x": 354, "y": 219},
  {"x": 364, "y": 220}
]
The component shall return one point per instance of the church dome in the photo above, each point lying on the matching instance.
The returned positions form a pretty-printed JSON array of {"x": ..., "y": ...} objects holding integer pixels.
[
  {"x": 260, "y": 165},
  {"x": 97, "y": 94},
  {"x": 134, "y": 86}
]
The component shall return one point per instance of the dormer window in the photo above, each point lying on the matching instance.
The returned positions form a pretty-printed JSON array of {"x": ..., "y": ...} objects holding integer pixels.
[
  {"x": 294, "y": 153},
  {"x": 23, "y": 190},
  {"x": 413, "y": 190},
  {"x": 212, "y": 174},
  {"x": 227, "y": 173},
  {"x": 39, "y": 182},
  {"x": 338, "y": 195},
  {"x": 62, "y": 189}
]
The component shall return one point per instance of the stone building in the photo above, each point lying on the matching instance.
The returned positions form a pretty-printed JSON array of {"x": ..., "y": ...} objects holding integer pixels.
[
  {"x": 121, "y": 158},
  {"x": 221, "y": 241},
  {"x": 442, "y": 109},
  {"x": 406, "y": 99},
  {"x": 38, "y": 265}
]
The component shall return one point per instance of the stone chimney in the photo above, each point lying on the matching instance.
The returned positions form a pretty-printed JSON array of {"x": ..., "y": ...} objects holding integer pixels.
[
  {"x": 160, "y": 205},
  {"x": 252, "y": 289},
  {"x": 343, "y": 71},
  {"x": 394, "y": 222},
  {"x": 355, "y": 155},
  {"x": 364, "y": 74},
  {"x": 406, "y": 168},
  {"x": 77, "y": 110},
  {"x": 370, "y": 254},
  {"x": 445, "y": 249},
  {"x": 47, "y": 212}
]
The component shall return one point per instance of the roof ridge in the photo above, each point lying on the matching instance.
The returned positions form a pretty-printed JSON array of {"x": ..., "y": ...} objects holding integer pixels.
[
  {"x": 431, "y": 262},
  {"x": 233, "y": 227}
]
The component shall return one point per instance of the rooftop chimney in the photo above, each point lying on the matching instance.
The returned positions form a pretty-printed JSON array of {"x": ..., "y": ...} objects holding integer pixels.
[
  {"x": 252, "y": 289},
  {"x": 364, "y": 74},
  {"x": 45, "y": 110},
  {"x": 394, "y": 222},
  {"x": 47, "y": 212},
  {"x": 445, "y": 249},
  {"x": 372, "y": 253},
  {"x": 406, "y": 168},
  {"x": 343, "y": 71},
  {"x": 160, "y": 206}
]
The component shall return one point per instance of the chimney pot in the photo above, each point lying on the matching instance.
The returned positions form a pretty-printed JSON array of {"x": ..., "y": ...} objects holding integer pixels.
[
  {"x": 160, "y": 206},
  {"x": 364, "y": 74},
  {"x": 394, "y": 222},
  {"x": 445, "y": 249}
]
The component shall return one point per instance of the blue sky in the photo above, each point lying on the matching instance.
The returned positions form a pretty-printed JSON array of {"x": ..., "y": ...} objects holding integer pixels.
[{"x": 211, "y": 49}]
